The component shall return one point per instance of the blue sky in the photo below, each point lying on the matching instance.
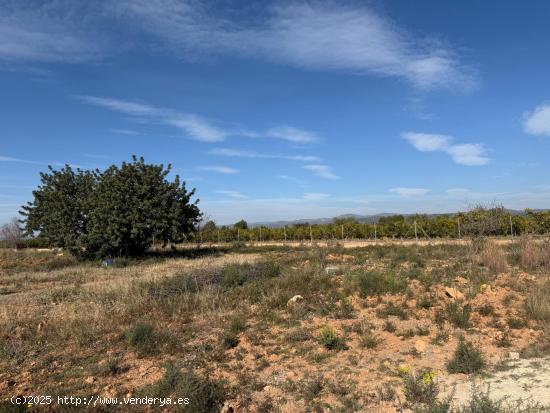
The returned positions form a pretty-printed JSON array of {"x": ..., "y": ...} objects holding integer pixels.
[{"x": 284, "y": 110}]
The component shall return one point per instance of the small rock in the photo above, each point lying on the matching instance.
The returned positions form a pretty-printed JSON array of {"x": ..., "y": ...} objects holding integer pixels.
[
  {"x": 485, "y": 288},
  {"x": 513, "y": 355},
  {"x": 294, "y": 300},
  {"x": 89, "y": 380},
  {"x": 420, "y": 346},
  {"x": 454, "y": 293},
  {"x": 461, "y": 280},
  {"x": 331, "y": 269}
]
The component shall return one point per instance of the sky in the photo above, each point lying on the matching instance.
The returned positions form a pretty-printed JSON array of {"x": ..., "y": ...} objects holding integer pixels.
[{"x": 287, "y": 109}]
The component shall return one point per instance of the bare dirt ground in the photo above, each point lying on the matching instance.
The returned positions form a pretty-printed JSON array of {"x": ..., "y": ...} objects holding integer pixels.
[{"x": 397, "y": 310}]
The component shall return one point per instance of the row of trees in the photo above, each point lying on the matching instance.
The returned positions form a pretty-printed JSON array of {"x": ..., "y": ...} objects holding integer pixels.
[
  {"x": 479, "y": 221},
  {"x": 120, "y": 211}
]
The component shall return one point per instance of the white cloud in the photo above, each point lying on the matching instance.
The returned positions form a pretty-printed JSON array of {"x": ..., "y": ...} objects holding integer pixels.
[
  {"x": 457, "y": 191},
  {"x": 427, "y": 142},
  {"x": 315, "y": 196},
  {"x": 192, "y": 125},
  {"x": 410, "y": 192},
  {"x": 322, "y": 171},
  {"x": 291, "y": 134},
  {"x": 239, "y": 153},
  {"x": 219, "y": 169},
  {"x": 538, "y": 121},
  {"x": 469, "y": 154},
  {"x": 320, "y": 36},
  {"x": 325, "y": 36},
  {"x": 232, "y": 194},
  {"x": 197, "y": 128}
]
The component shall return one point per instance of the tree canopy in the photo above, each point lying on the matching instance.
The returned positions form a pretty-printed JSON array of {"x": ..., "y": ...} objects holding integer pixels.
[{"x": 120, "y": 211}]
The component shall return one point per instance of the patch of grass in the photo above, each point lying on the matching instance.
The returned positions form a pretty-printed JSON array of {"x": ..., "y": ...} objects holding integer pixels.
[
  {"x": 486, "y": 310},
  {"x": 466, "y": 359},
  {"x": 204, "y": 394},
  {"x": 368, "y": 339},
  {"x": 329, "y": 339},
  {"x": 494, "y": 258},
  {"x": 537, "y": 303},
  {"x": 392, "y": 310},
  {"x": 375, "y": 283},
  {"x": 143, "y": 337},
  {"x": 389, "y": 326},
  {"x": 458, "y": 314},
  {"x": 516, "y": 323}
]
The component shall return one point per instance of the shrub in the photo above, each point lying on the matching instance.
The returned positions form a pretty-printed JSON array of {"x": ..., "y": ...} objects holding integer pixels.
[
  {"x": 389, "y": 326},
  {"x": 373, "y": 282},
  {"x": 458, "y": 315},
  {"x": 392, "y": 310},
  {"x": 486, "y": 310},
  {"x": 328, "y": 338},
  {"x": 368, "y": 339},
  {"x": 466, "y": 359},
  {"x": 204, "y": 394},
  {"x": 143, "y": 338},
  {"x": 537, "y": 303},
  {"x": 420, "y": 387}
]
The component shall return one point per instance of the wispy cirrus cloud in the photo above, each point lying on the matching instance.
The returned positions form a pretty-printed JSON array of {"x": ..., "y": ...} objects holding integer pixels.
[
  {"x": 409, "y": 192},
  {"x": 240, "y": 153},
  {"x": 322, "y": 171},
  {"x": 537, "y": 122},
  {"x": 219, "y": 169},
  {"x": 315, "y": 36},
  {"x": 231, "y": 194},
  {"x": 468, "y": 154},
  {"x": 194, "y": 126},
  {"x": 321, "y": 36},
  {"x": 292, "y": 134}
]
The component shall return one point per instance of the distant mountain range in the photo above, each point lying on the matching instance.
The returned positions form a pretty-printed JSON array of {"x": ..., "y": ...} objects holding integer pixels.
[{"x": 369, "y": 219}]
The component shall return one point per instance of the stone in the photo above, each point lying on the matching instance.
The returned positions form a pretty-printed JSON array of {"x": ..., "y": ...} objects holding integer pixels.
[
  {"x": 485, "y": 288},
  {"x": 331, "y": 269},
  {"x": 513, "y": 355},
  {"x": 420, "y": 346},
  {"x": 454, "y": 293},
  {"x": 89, "y": 380},
  {"x": 294, "y": 300},
  {"x": 461, "y": 280}
]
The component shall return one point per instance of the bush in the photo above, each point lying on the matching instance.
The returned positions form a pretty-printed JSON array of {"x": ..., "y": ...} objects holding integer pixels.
[
  {"x": 421, "y": 387},
  {"x": 392, "y": 310},
  {"x": 328, "y": 338},
  {"x": 204, "y": 394},
  {"x": 143, "y": 338},
  {"x": 458, "y": 315},
  {"x": 466, "y": 359},
  {"x": 373, "y": 282}
]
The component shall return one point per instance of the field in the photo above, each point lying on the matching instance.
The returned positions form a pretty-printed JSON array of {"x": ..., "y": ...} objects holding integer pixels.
[{"x": 382, "y": 327}]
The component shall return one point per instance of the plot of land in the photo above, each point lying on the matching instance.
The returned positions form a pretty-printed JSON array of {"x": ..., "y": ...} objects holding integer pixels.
[{"x": 273, "y": 328}]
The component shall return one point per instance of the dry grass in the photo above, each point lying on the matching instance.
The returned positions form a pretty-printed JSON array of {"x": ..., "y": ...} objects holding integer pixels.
[
  {"x": 493, "y": 257},
  {"x": 537, "y": 304},
  {"x": 225, "y": 316},
  {"x": 534, "y": 255}
]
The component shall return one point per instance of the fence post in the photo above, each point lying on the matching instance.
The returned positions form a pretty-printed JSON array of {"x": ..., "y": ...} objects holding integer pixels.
[
  {"x": 511, "y": 227},
  {"x": 415, "y": 232},
  {"x": 375, "y": 237},
  {"x": 310, "y": 234}
]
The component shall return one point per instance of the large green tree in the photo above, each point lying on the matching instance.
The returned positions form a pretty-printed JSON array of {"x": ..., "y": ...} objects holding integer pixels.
[
  {"x": 118, "y": 212},
  {"x": 59, "y": 211}
]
